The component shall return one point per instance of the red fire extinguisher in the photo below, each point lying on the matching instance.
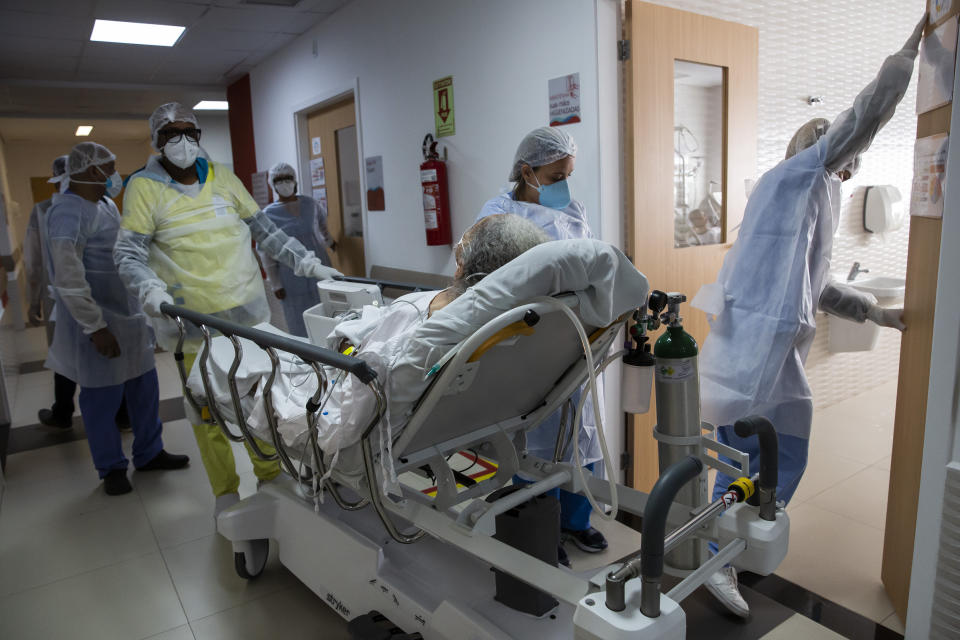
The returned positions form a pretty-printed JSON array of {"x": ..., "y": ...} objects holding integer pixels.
[{"x": 436, "y": 196}]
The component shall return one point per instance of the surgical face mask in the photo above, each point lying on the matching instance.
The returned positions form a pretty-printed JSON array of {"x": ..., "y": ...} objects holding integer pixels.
[
  {"x": 114, "y": 184},
  {"x": 285, "y": 188},
  {"x": 182, "y": 153},
  {"x": 554, "y": 196}
]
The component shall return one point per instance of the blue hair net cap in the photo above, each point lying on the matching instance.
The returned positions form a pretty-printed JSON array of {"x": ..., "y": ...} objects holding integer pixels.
[{"x": 542, "y": 146}]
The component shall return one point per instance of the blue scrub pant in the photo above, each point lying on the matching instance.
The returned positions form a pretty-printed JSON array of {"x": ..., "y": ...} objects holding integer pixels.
[
  {"x": 791, "y": 463},
  {"x": 574, "y": 508},
  {"x": 98, "y": 406}
]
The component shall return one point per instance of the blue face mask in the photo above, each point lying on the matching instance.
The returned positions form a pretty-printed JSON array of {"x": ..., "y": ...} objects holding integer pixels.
[{"x": 554, "y": 196}]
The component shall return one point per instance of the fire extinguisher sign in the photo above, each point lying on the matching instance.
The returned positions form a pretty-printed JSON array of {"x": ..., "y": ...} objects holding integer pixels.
[{"x": 443, "y": 107}]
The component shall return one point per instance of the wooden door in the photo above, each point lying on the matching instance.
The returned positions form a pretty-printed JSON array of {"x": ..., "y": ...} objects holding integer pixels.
[
  {"x": 333, "y": 126},
  {"x": 659, "y": 38},
  {"x": 919, "y": 306}
]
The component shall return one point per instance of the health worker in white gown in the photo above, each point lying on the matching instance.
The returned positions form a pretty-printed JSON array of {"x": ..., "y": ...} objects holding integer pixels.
[
  {"x": 540, "y": 193},
  {"x": 774, "y": 280}
]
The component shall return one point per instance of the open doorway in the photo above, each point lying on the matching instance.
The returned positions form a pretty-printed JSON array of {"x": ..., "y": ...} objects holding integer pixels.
[{"x": 330, "y": 166}]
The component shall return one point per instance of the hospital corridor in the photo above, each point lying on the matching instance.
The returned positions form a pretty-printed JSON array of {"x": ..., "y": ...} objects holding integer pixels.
[{"x": 439, "y": 319}]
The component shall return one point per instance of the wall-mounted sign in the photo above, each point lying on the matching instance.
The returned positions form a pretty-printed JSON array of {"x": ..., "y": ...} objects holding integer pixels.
[
  {"x": 317, "y": 176},
  {"x": 376, "y": 201},
  {"x": 564, "y": 99},
  {"x": 320, "y": 195},
  {"x": 938, "y": 9},
  {"x": 443, "y": 107},
  {"x": 315, "y": 147},
  {"x": 261, "y": 188},
  {"x": 929, "y": 176},
  {"x": 938, "y": 58}
]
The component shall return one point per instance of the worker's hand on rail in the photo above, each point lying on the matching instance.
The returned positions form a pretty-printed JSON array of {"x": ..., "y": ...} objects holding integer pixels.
[
  {"x": 892, "y": 318},
  {"x": 105, "y": 343},
  {"x": 280, "y": 293},
  {"x": 316, "y": 269},
  {"x": 152, "y": 301}
]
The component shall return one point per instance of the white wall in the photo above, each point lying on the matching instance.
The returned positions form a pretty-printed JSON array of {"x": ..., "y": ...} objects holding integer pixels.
[
  {"x": 216, "y": 136},
  {"x": 500, "y": 54}
]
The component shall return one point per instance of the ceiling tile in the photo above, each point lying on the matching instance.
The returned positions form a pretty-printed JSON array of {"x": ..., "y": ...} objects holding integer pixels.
[
  {"x": 51, "y": 25},
  {"x": 27, "y": 47},
  {"x": 73, "y": 8},
  {"x": 152, "y": 11},
  {"x": 205, "y": 38},
  {"x": 270, "y": 19}
]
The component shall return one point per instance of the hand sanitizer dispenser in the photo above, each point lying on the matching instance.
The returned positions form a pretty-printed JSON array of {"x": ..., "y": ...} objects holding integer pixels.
[{"x": 883, "y": 209}]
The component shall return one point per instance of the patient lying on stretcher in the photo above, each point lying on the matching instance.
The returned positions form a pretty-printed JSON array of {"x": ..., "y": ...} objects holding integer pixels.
[
  {"x": 404, "y": 341},
  {"x": 379, "y": 336}
]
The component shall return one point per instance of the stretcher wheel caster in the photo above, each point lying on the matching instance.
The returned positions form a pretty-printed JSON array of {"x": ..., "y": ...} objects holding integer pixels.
[{"x": 250, "y": 557}]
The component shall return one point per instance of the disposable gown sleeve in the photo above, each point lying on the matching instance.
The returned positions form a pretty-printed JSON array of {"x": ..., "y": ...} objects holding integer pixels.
[
  {"x": 846, "y": 302},
  {"x": 276, "y": 244},
  {"x": 70, "y": 282},
  {"x": 854, "y": 129},
  {"x": 33, "y": 258},
  {"x": 131, "y": 255}
]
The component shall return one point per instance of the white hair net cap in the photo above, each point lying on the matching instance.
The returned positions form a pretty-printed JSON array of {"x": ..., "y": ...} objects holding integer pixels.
[
  {"x": 281, "y": 169},
  {"x": 87, "y": 154},
  {"x": 167, "y": 113},
  {"x": 542, "y": 146},
  {"x": 807, "y": 136}
]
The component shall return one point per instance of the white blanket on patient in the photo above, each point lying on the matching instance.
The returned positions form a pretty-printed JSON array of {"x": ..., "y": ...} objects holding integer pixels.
[{"x": 401, "y": 344}]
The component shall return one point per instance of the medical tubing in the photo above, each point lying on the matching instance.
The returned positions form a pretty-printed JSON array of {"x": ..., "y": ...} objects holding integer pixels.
[
  {"x": 575, "y": 438},
  {"x": 305, "y": 351}
]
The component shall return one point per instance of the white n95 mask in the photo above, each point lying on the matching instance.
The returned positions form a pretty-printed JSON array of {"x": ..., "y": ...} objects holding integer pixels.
[
  {"x": 183, "y": 153},
  {"x": 285, "y": 188}
]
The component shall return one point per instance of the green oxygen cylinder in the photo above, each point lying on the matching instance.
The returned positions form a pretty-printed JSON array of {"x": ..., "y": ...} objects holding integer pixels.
[{"x": 677, "y": 385}]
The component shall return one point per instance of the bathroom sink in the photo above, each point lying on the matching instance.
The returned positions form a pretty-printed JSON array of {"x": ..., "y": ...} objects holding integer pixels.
[{"x": 880, "y": 286}]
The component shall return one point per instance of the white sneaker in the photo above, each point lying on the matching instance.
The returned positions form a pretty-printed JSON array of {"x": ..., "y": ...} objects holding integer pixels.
[
  {"x": 225, "y": 501},
  {"x": 723, "y": 586}
]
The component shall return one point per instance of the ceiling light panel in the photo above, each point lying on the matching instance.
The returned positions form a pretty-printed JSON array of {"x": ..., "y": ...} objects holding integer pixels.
[
  {"x": 84, "y": 130},
  {"x": 212, "y": 105},
  {"x": 157, "y": 35}
]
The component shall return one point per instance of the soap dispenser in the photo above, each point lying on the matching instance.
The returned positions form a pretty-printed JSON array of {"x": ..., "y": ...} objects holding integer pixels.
[{"x": 883, "y": 209}]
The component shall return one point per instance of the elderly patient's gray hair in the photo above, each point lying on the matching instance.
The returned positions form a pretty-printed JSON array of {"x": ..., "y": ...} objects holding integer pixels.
[{"x": 492, "y": 243}]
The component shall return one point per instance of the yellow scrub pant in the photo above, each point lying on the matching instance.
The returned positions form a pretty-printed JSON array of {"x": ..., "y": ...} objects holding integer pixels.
[{"x": 217, "y": 454}]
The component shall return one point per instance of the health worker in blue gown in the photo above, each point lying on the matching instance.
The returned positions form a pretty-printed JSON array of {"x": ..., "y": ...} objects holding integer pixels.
[
  {"x": 775, "y": 279},
  {"x": 305, "y": 219},
  {"x": 103, "y": 340}
]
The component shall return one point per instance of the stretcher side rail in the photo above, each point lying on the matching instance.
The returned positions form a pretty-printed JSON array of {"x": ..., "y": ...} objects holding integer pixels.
[
  {"x": 385, "y": 284},
  {"x": 270, "y": 343}
]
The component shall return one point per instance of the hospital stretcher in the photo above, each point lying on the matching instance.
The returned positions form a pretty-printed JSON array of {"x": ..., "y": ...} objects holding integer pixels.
[{"x": 424, "y": 561}]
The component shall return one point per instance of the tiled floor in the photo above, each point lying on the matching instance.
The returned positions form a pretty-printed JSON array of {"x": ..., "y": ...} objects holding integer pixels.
[
  {"x": 77, "y": 564},
  {"x": 838, "y": 514}
]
